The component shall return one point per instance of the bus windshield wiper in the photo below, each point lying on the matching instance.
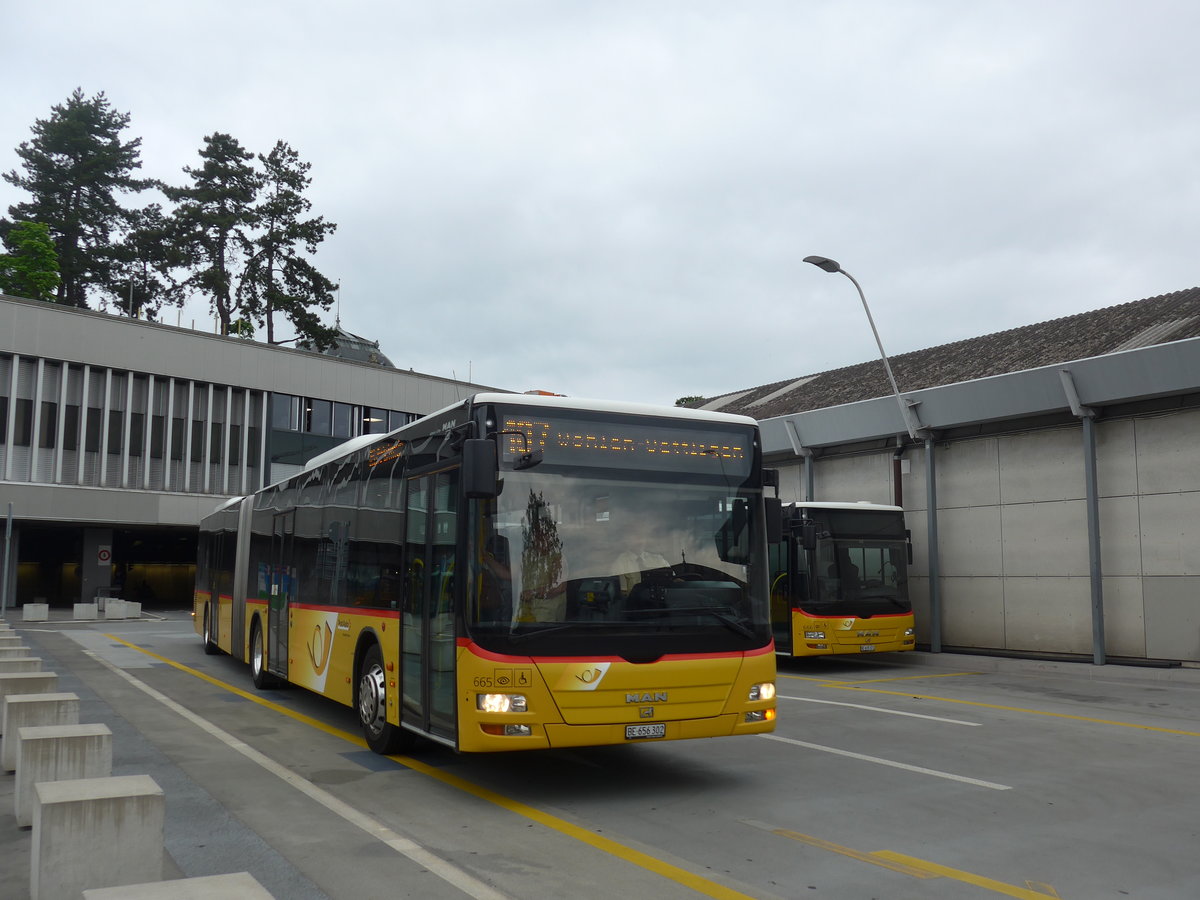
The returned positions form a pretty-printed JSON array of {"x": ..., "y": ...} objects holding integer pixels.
[
  {"x": 517, "y": 636},
  {"x": 721, "y": 614}
]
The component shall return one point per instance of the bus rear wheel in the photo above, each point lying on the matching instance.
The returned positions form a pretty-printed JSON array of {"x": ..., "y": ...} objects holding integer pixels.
[
  {"x": 210, "y": 646},
  {"x": 380, "y": 735}
]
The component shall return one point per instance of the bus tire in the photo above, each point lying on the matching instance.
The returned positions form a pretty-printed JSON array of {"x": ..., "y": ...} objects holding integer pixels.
[
  {"x": 371, "y": 696},
  {"x": 258, "y": 660},
  {"x": 210, "y": 646}
]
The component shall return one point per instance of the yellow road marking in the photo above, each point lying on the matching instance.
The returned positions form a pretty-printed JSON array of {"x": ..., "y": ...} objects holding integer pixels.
[
  {"x": 1020, "y": 709},
  {"x": 679, "y": 875},
  {"x": 999, "y": 887},
  {"x": 914, "y": 867},
  {"x": 847, "y": 851},
  {"x": 846, "y": 681}
]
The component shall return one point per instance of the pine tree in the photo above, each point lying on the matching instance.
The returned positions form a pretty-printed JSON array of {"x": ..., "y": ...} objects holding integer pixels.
[
  {"x": 31, "y": 268},
  {"x": 73, "y": 168},
  {"x": 278, "y": 278},
  {"x": 211, "y": 228}
]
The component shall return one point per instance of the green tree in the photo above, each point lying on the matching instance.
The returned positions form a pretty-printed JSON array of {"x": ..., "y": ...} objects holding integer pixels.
[
  {"x": 688, "y": 401},
  {"x": 74, "y": 167},
  {"x": 144, "y": 261},
  {"x": 279, "y": 278},
  {"x": 31, "y": 268},
  {"x": 211, "y": 228}
]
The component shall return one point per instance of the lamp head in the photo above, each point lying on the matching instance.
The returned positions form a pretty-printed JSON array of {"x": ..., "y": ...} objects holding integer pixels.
[{"x": 822, "y": 262}]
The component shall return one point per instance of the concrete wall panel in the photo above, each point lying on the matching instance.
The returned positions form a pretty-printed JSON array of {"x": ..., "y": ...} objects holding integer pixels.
[
  {"x": 1116, "y": 458},
  {"x": 970, "y": 541},
  {"x": 1042, "y": 465},
  {"x": 1166, "y": 452},
  {"x": 1051, "y": 615},
  {"x": 1170, "y": 533},
  {"x": 968, "y": 474},
  {"x": 1124, "y": 618},
  {"x": 1172, "y": 617},
  {"x": 855, "y": 478},
  {"x": 972, "y": 612},
  {"x": 1120, "y": 537},
  {"x": 1044, "y": 539}
]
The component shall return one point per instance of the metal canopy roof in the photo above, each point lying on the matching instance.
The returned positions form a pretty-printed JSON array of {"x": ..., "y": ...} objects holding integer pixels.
[{"x": 1162, "y": 370}]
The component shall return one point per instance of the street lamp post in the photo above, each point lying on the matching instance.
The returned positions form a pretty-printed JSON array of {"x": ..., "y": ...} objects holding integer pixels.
[{"x": 830, "y": 265}]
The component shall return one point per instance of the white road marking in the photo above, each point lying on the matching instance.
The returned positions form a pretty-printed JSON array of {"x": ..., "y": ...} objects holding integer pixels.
[
  {"x": 462, "y": 880},
  {"x": 880, "y": 709},
  {"x": 890, "y": 762}
]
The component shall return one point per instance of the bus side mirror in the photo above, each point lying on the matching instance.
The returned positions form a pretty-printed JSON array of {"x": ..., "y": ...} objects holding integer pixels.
[
  {"x": 770, "y": 478},
  {"x": 480, "y": 469},
  {"x": 774, "y": 508}
]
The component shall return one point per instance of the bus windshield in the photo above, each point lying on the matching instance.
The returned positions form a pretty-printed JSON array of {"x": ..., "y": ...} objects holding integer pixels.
[
  {"x": 861, "y": 564},
  {"x": 568, "y": 559}
]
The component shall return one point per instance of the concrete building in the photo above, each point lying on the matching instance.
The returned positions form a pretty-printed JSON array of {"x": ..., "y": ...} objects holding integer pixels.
[
  {"x": 1053, "y": 487},
  {"x": 118, "y": 435}
]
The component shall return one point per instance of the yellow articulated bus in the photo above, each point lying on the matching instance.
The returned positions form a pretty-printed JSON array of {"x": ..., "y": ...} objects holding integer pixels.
[
  {"x": 839, "y": 580},
  {"x": 513, "y": 572}
]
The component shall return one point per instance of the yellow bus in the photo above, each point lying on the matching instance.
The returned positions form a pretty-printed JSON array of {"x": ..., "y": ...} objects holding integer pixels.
[
  {"x": 839, "y": 580},
  {"x": 512, "y": 572}
]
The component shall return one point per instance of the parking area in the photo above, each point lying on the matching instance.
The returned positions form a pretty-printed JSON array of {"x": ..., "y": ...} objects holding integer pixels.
[{"x": 915, "y": 775}]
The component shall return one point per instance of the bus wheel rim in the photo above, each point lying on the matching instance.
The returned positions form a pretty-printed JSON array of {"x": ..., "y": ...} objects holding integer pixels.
[{"x": 371, "y": 708}]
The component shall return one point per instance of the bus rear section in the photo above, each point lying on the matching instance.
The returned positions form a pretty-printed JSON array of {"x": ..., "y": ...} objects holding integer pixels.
[{"x": 839, "y": 580}]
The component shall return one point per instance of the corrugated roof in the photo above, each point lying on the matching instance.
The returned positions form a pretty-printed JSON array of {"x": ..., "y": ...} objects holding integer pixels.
[{"x": 1141, "y": 323}]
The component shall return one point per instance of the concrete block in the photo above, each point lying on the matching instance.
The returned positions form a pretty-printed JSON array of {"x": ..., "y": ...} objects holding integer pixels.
[
  {"x": 25, "y": 683},
  {"x": 10, "y": 639},
  {"x": 20, "y": 664},
  {"x": 35, "y": 612},
  {"x": 238, "y": 886},
  {"x": 95, "y": 833},
  {"x": 58, "y": 753},
  {"x": 133, "y": 609},
  {"x": 114, "y": 608},
  {"x": 87, "y": 610},
  {"x": 21, "y": 710},
  {"x": 10, "y": 649}
]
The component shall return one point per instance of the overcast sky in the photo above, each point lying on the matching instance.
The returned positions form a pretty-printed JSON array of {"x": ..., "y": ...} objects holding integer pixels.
[{"x": 614, "y": 199}]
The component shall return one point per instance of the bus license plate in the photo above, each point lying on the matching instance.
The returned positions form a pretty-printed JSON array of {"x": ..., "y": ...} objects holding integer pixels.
[
  {"x": 645, "y": 731},
  {"x": 867, "y": 648}
]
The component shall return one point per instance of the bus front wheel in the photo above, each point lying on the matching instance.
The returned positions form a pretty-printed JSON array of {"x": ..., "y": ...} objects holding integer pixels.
[
  {"x": 258, "y": 661},
  {"x": 380, "y": 735}
]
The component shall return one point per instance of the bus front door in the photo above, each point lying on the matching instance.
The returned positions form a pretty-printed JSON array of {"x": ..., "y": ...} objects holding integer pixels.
[
  {"x": 427, "y": 619},
  {"x": 282, "y": 592}
]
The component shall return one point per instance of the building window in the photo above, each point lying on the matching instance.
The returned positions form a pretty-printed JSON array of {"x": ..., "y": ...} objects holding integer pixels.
[
  {"x": 91, "y": 441},
  {"x": 136, "y": 433},
  {"x": 285, "y": 412},
  {"x": 375, "y": 421},
  {"x": 116, "y": 428},
  {"x": 23, "y": 427},
  {"x": 71, "y": 428},
  {"x": 48, "y": 427},
  {"x": 318, "y": 417},
  {"x": 343, "y": 420}
]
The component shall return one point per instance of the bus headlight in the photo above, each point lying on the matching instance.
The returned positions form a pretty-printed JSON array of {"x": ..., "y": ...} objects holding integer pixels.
[
  {"x": 500, "y": 703},
  {"x": 909, "y": 632},
  {"x": 814, "y": 635},
  {"x": 763, "y": 691}
]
